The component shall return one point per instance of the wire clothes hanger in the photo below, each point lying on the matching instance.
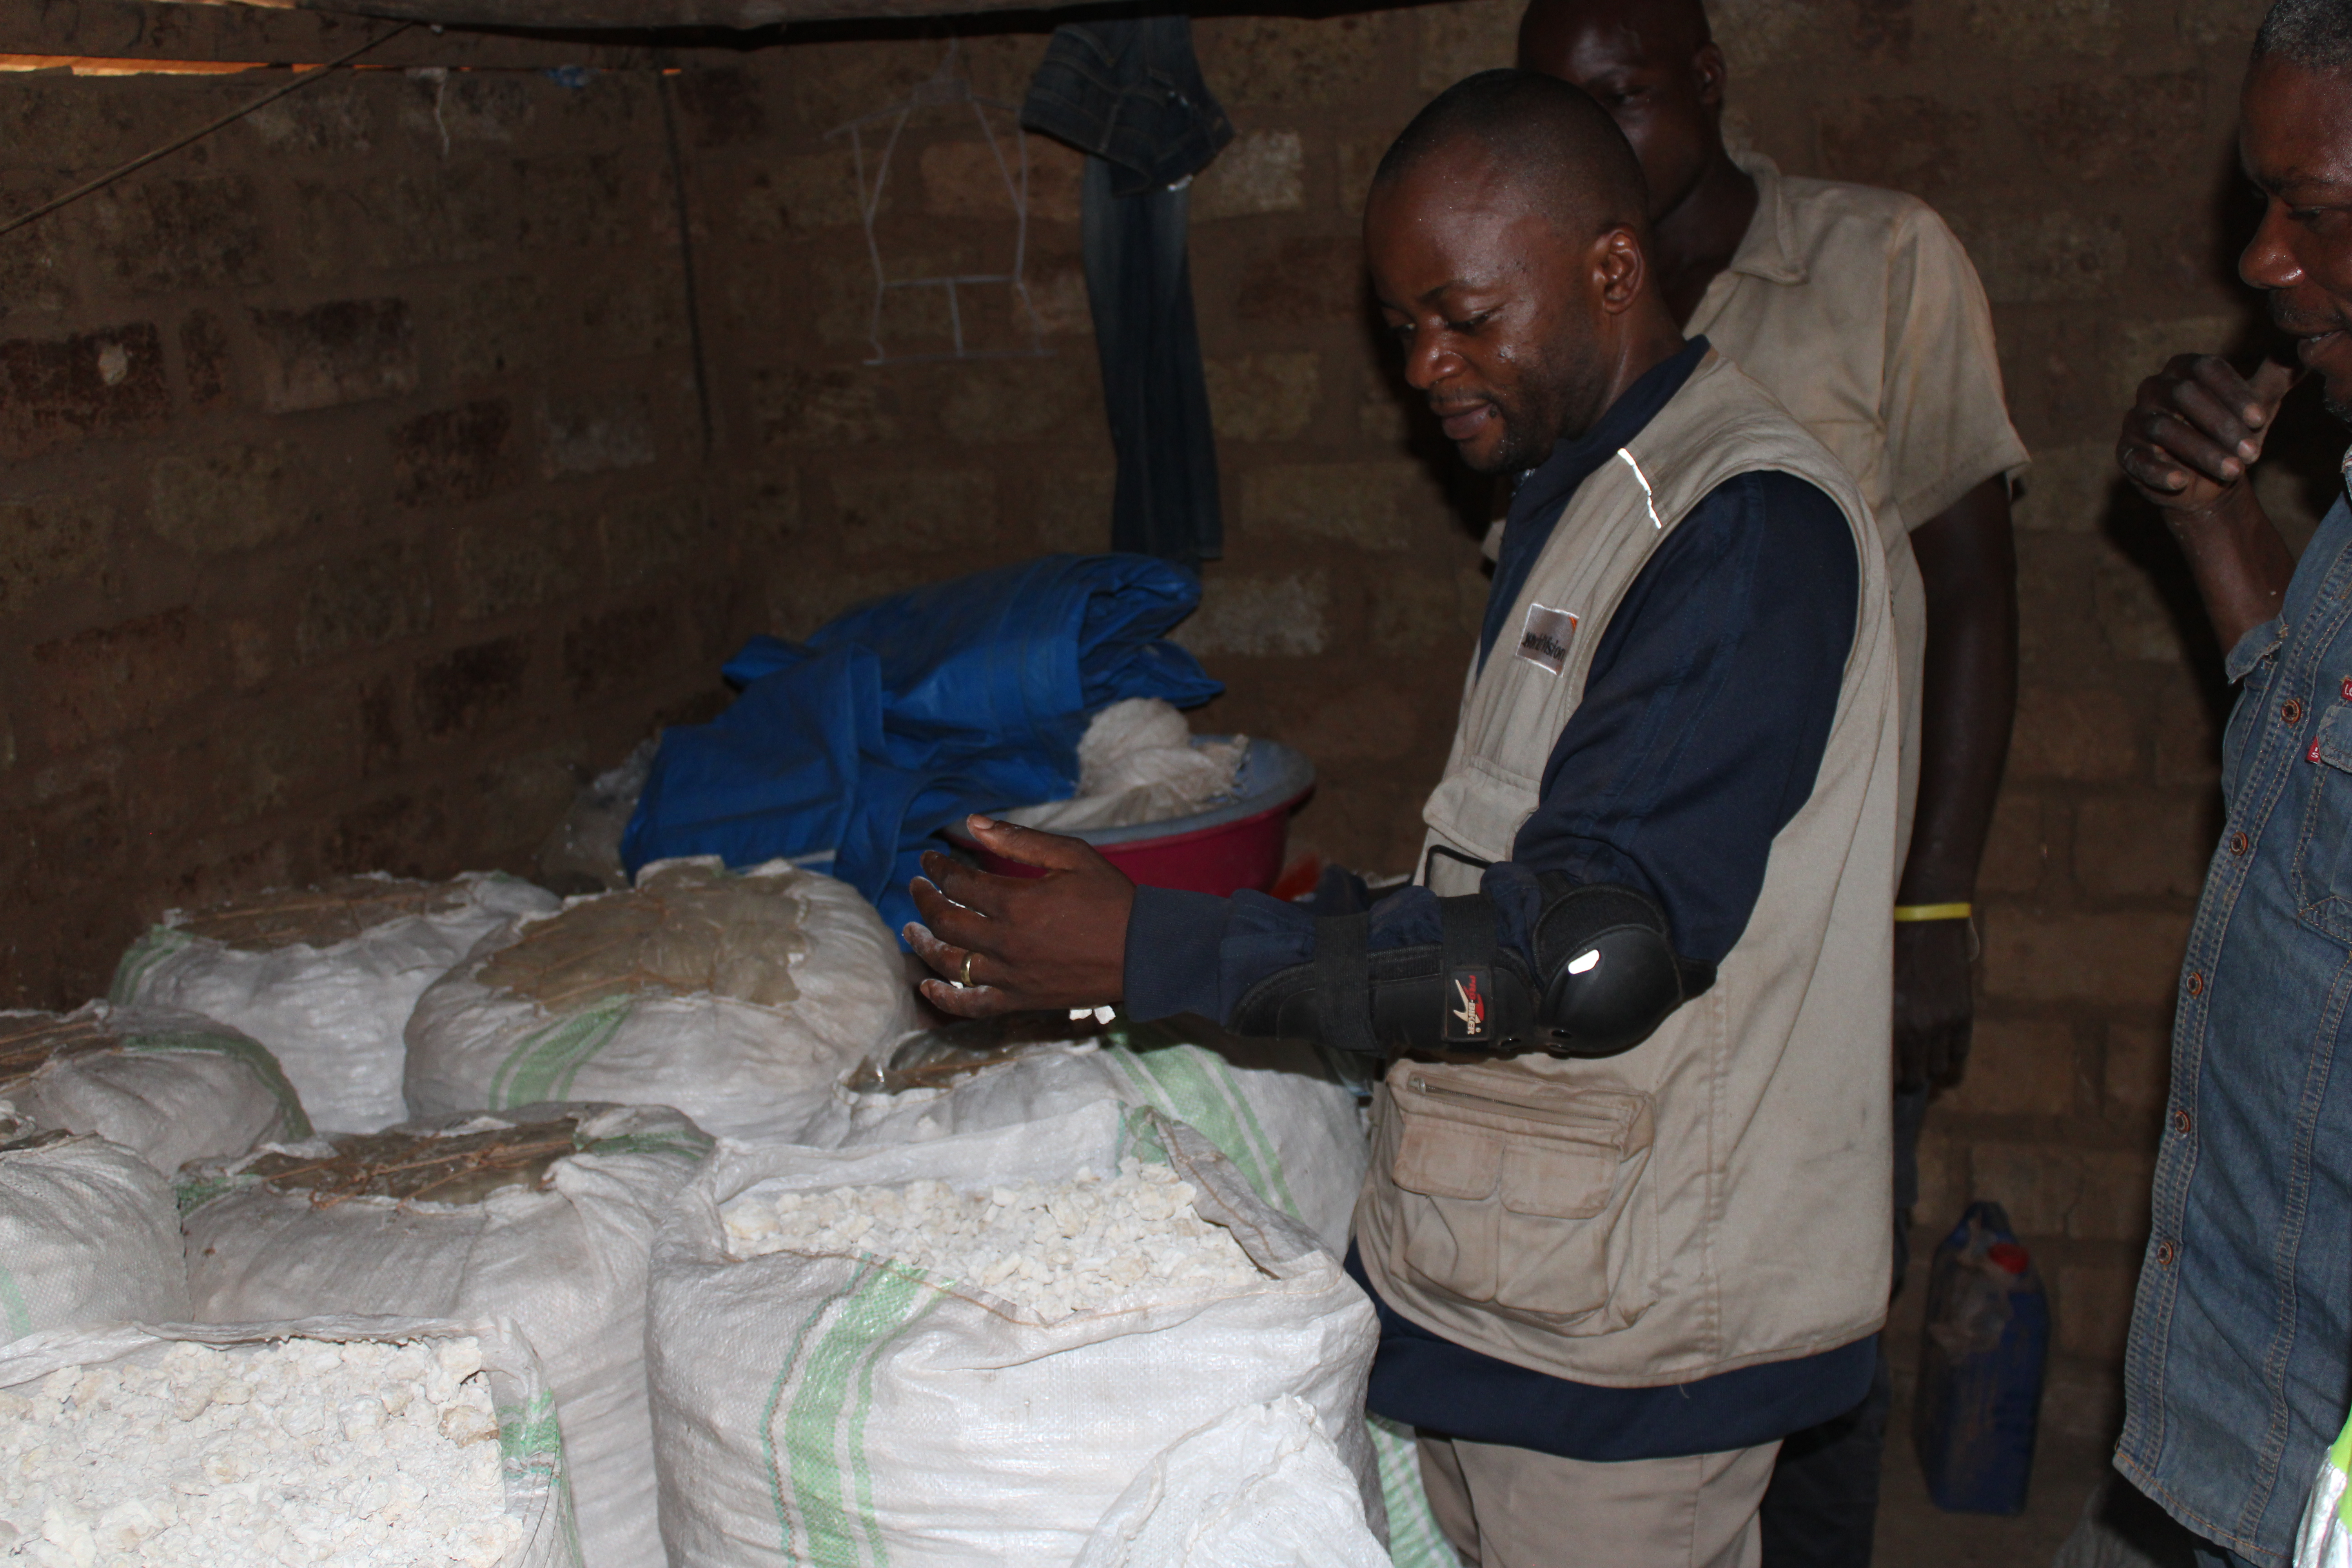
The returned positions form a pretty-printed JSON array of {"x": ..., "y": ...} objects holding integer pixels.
[{"x": 946, "y": 88}]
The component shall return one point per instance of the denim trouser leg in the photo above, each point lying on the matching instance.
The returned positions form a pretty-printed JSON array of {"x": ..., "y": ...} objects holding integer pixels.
[
  {"x": 1822, "y": 1508},
  {"x": 1140, "y": 283}
]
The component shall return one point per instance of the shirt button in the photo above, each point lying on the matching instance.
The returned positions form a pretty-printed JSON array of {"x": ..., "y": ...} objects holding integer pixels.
[
  {"x": 2291, "y": 710},
  {"x": 2180, "y": 1122},
  {"x": 2238, "y": 843},
  {"x": 2197, "y": 986},
  {"x": 2165, "y": 1252}
]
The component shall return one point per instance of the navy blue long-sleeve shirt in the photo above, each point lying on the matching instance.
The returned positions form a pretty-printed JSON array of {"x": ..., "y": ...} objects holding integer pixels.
[{"x": 1705, "y": 712}]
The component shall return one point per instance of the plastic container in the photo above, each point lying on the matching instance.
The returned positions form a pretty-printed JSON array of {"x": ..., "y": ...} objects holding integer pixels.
[
  {"x": 1237, "y": 845},
  {"x": 1981, "y": 1354}
]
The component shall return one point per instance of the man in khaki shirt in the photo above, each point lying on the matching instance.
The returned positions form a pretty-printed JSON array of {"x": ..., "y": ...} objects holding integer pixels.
[{"x": 1858, "y": 310}]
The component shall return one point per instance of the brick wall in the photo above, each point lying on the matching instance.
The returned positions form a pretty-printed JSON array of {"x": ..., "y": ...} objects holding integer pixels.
[{"x": 355, "y": 491}]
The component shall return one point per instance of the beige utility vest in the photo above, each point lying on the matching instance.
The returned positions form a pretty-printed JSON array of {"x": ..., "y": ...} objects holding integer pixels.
[{"x": 1719, "y": 1196}]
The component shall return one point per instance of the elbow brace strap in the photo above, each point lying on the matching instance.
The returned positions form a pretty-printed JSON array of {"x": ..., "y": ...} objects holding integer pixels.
[{"x": 1606, "y": 978}]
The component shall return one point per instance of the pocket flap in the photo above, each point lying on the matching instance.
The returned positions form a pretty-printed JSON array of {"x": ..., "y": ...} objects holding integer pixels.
[
  {"x": 1548, "y": 1149},
  {"x": 2334, "y": 744},
  {"x": 1445, "y": 1160}
]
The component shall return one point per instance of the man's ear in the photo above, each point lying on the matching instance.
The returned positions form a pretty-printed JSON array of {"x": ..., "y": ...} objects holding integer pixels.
[
  {"x": 1621, "y": 272},
  {"x": 1713, "y": 72}
]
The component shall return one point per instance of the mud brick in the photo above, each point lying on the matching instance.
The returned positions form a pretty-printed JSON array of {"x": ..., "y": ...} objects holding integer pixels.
[
  {"x": 470, "y": 686},
  {"x": 649, "y": 537},
  {"x": 1373, "y": 505},
  {"x": 2115, "y": 959},
  {"x": 801, "y": 406},
  {"x": 2137, "y": 1076},
  {"x": 383, "y": 744},
  {"x": 114, "y": 680},
  {"x": 496, "y": 326},
  {"x": 50, "y": 542},
  {"x": 1264, "y": 397},
  {"x": 2046, "y": 256},
  {"x": 203, "y": 351},
  {"x": 1073, "y": 507},
  {"x": 723, "y": 107},
  {"x": 576, "y": 202},
  {"x": 617, "y": 648},
  {"x": 1414, "y": 610},
  {"x": 885, "y": 511},
  {"x": 477, "y": 107},
  {"x": 285, "y": 753},
  {"x": 463, "y": 212},
  {"x": 991, "y": 402},
  {"x": 1281, "y": 617},
  {"x": 332, "y": 117},
  {"x": 344, "y": 351},
  {"x": 2094, "y": 1309},
  {"x": 1460, "y": 40},
  {"x": 2070, "y": 489},
  {"x": 453, "y": 454},
  {"x": 2017, "y": 849},
  {"x": 54, "y": 391},
  {"x": 2088, "y": 735},
  {"x": 967, "y": 179},
  {"x": 596, "y": 433},
  {"x": 375, "y": 596},
  {"x": 636, "y": 317},
  {"x": 2146, "y": 844},
  {"x": 211, "y": 501},
  {"x": 801, "y": 194},
  {"x": 515, "y": 564},
  {"x": 155, "y": 234},
  {"x": 1292, "y": 62},
  {"x": 2095, "y": 127},
  {"x": 2019, "y": 1066},
  {"x": 1318, "y": 278},
  {"x": 404, "y": 833},
  {"x": 1923, "y": 145}
]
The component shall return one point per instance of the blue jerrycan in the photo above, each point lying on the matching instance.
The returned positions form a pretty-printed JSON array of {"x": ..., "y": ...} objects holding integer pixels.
[{"x": 1980, "y": 1363}]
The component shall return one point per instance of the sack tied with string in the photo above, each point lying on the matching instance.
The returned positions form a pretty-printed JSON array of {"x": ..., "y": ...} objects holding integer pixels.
[
  {"x": 325, "y": 976},
  {"x": 87, "y": 1233},
  {"x": 833, "y": 1408},
  {"x": 737, "y": 997},
  {"x": 545, "y": 1214},
  {"x": 168, "y": 1085}
]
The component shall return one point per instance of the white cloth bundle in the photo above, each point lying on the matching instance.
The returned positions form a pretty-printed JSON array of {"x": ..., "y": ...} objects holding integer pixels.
[
  {"x": 87, "y": 1233},
  {"x": 837, "y": 1409},
  {"x": 564, "y": 1254},
  {"x": 169, "y": 1086},
  {"x": 325, "y": 977},
  {"x": 737, "y": 998},
  {"x": 536, "y": 1490},
  {"x": 1138, "y": 762}
]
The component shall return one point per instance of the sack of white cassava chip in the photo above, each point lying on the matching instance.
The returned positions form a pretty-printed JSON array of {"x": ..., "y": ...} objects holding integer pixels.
[
  {"x": 325, "y": 976},
  {"x": 283, "y": 1445},
  {"x": 87, "y": 1233},
  {"x": 168, "y": 1085},
  {"x": 964, "y": 1350},
  {"x": 545, "y": 1214},
  {"x": 738, "y": 998},
  {"x": 1272, "y": 1107}
]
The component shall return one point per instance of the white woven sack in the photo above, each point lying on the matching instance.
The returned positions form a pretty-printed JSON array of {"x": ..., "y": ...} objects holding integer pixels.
[
  {"x": 167, "y": 1085},
  {"x": 332, "y": 1014},
  {"x": 1272, "y": 1107},
  {"x": 538, "y": 1489},
  {"x": 567, "y": 1263},
  {"x": 617, "y": 1029},
  {"x": 87, "y": 1233},
  {"x": 1260, "y": 1487},
  {"x": 828, "y": 1409}
]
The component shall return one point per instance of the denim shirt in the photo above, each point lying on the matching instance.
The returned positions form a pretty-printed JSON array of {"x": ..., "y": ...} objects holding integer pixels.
[{"x": 2241, "y": 1331}]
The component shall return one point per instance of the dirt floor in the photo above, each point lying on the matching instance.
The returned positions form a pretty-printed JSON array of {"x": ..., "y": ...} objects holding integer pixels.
[{"x": 1913, "y": 1532}]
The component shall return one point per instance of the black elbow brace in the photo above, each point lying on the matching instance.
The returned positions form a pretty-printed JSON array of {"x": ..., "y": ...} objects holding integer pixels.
[{"x": 1605, "y": 977}]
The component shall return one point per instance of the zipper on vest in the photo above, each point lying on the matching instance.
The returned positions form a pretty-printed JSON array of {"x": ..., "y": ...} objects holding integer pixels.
[{"x": 1557, "y": 1116}]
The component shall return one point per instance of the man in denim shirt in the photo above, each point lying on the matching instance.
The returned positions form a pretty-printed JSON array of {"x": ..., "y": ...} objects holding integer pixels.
[{"x": 2240, "y": 1365}]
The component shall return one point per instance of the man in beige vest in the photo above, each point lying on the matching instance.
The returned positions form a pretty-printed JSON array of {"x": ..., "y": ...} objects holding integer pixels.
[
  {"x": 1858, "y": 310},
  {"x": 1627, "y": 1221}
]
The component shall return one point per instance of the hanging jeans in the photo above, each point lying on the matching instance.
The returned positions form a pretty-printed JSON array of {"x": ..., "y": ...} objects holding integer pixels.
[{"x": 1140, "y": 281}]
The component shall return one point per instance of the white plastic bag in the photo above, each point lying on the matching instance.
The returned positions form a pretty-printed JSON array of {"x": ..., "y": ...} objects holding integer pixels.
[
  {"x": 1260, "y": 1487},
  {"x": 1272, "y": 1107},
  {"x": 563, "y": 1252},
  {"x": 737, "y": 998},
  {"x": 167, "y": 1085},
  {"x": 538, "y": 1489},
  {"x": 835, "y": 1409},
  {"x": 1139, "y": 762},
  {"x": 87, "y": 1233},
  {"x": 325, "y": 976}
]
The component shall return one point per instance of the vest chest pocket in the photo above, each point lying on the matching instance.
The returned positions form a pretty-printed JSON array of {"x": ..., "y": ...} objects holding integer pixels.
[
  {"x": 2323, "y": 859},
  {"x": 1523, "y": 1195}
]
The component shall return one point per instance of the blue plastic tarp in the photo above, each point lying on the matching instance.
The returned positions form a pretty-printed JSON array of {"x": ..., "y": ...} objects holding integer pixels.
[{"x": 850, "y": 751}]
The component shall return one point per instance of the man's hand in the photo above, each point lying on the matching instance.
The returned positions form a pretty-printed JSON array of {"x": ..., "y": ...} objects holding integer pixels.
[
  {"x": 1935, "y": 1004},
  {"x": 2195, "y": 426},
  {"x": 1055, "y": 940}
]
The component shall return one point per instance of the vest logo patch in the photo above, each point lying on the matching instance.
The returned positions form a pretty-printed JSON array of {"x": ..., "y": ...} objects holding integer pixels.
[
  {"x": 1465, "y": 1008},
  {"x": 1544, "y": 639}
]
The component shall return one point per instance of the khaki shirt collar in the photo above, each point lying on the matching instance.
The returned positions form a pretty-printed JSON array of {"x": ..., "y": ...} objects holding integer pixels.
[{"x": 1769, "y": 249}]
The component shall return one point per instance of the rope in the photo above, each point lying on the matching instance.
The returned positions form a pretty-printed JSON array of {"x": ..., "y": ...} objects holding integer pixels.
[{"x": 302, "y": 79}]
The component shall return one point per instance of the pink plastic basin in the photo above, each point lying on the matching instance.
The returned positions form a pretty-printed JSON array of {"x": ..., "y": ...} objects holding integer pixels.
[{"x": 1238, "y": 845}]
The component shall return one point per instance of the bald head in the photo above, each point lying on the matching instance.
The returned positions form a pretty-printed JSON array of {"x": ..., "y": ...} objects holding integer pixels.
[
  {"x": 1546, "y": 143},
  {"x": 1655, "y": 67}
]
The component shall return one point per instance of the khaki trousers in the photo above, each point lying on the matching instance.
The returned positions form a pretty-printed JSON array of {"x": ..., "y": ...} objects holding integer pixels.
[{"x": 1513, "y": 1508}]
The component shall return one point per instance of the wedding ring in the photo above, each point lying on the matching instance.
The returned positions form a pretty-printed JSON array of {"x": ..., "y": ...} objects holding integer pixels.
[{"x": 965, "y": 979}]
